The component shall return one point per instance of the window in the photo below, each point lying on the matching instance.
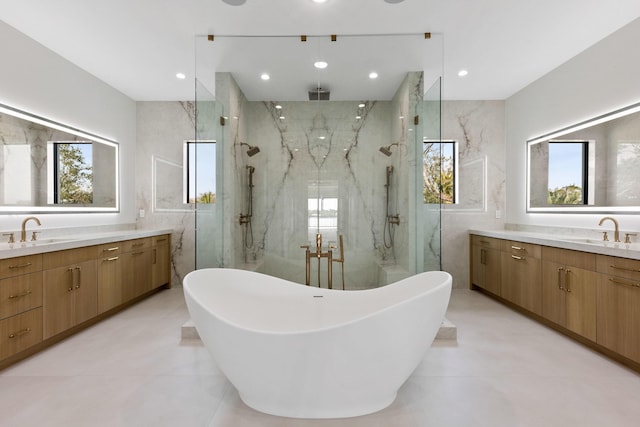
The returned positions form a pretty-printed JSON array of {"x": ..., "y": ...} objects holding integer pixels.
[
  {"x": 568, "y": 173},
  {"x": 439, "y": 171},
  {"x": 71, "y": 172},
  {"x": 322, "y": 209},
  {"x": 200, "y": 172}
]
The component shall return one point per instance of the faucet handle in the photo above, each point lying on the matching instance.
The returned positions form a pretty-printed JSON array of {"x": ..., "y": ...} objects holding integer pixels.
[
  {"x": 11, "y": 238},
  {"x": 34, "y": 236},
  {"x": 605, "y": 236},
  {"x": 626, "y": 237}
]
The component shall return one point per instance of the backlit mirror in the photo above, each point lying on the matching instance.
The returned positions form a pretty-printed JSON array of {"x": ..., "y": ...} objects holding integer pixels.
[
  {"x": 49, "y": 167},
  {"x": 589, "y": 167}
]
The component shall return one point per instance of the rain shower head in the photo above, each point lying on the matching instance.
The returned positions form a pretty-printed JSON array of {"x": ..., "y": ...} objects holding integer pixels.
[
  {"x": 253, "y": 149},
  {"x": 386, "y": 150}
]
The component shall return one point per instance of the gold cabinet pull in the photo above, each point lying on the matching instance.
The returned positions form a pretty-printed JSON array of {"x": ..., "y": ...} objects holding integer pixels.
[
  {"x": 73, "y": 279},
  {"x": 519, "y": 258},
  {"x": 560, "y": 270},
  {"x": 19, "y": 333},
  {"x": 115, "y": 248},
  {"x": 517, "y": 248},
  {"x": 161, "y": 240},
  {"x": 635, "y": 270},
  {"x": 483, "y": 257},
  {"x": 567, "y": 284},
  {"x": 624, "y": 282},
  {"x": 12, "y": 267},
  {"x": 137, "y": 253},
  {"x": 24, "y": 294},
  {"x": 135, "y": 245},
  {"x": 155, "y": 256},
  {"x": 113, "y": 258},
  {"x": 79, "y": 271}
]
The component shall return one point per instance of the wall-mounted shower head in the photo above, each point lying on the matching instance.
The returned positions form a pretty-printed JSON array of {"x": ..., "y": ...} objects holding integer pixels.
[
  {"x": 386, "y": 150},
  {"x": 253, "y": 149}
]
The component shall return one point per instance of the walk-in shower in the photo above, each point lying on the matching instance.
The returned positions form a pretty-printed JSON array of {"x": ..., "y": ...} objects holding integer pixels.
[{"x": 320, "y": 169}]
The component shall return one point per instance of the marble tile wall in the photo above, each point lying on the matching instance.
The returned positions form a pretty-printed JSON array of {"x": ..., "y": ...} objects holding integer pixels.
[{"x": 479, "y": 128}]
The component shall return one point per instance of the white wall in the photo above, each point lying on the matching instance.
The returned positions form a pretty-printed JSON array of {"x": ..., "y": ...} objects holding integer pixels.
[
  {"x": 37, "y": 80},
  {"x": 602, "y": 78}
]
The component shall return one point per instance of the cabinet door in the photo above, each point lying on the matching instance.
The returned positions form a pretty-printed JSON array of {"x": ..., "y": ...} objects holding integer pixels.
[
  {"x": 136, "y": 273},
  {"x": 85, "y": 291},
  {"x": 554, "y": 292},
  {"x": 58, "y": 311},
  {"x": 161, "y": 266},
  {"x": 521, "y": 282},
  {"x": 109, "y": 283},
  {"x": 581, "y": 304},
  {"x": 618, "y": 315}
]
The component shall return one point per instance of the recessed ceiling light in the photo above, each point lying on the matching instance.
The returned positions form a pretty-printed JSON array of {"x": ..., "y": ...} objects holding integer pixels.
[
  {"x": 278, "y": 107},
  {"x": 265, "y": 76},
  {"x": 373, "y": 75},
  {"x": 235, "y": 2},
  {"x": 361, "y": 105},
  {"x": 281, "y": 117},
  {"x": 358, "y": 117},
  {"x": 462, "y": 73},
  {"x": 181, "y": 76},
  {"x": 320, "y": 64}
]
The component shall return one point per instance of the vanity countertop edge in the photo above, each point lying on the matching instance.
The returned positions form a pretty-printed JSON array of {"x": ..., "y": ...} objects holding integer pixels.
[
  {"x": 77, "y": 241},
  {"x": 621, "y": 250}
]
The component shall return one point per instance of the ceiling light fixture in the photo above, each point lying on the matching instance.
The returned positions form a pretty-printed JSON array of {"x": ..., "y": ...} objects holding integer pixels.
[
  {"x": 278, "y": 107},
  {"x": 265, "y": 76},
  {"x": 362, "y": 105},
  {"x": 320, "y": 64},
  {"x": 181, "y": 76},
  {"x": 394, "y": 1},
  {"x": 373, "y": 75},
  {"x": 462, "y": 73}
]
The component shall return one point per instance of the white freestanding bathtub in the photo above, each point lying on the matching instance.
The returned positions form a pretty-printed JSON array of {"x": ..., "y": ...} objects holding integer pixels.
[{"x": 298, "y": 351}]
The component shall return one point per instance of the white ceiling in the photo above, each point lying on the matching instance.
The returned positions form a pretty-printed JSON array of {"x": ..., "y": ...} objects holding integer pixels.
[{"x": 137, "y": 46}]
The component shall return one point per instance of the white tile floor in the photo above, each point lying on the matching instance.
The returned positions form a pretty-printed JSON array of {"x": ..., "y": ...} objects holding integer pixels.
[{"x": 133, "y": 370}]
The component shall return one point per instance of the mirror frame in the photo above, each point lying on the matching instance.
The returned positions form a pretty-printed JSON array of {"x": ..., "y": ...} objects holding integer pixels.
[
  {"x": 78, "y": 132},
  {"x": 621, "y": 112}
]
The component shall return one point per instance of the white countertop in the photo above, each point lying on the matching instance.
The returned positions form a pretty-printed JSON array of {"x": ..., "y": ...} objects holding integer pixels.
[
  {"x": 573, "y": 242},
  {"x": 73, "y": 241}
]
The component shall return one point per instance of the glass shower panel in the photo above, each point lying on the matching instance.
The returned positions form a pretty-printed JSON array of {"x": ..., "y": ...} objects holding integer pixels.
[
  {"x": 208, "y": 170},
  {"x": 429, "y": 251}
]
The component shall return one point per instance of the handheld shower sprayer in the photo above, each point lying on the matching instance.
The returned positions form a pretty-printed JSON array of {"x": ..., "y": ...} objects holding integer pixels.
[
  {"x": 252, "y": 150},
  {"x": 386, "y": 149}
]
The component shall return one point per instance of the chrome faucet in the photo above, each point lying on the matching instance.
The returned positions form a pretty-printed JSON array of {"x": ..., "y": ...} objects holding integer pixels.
[
  {"x": 616, "y": 233},
  {"x": 23, "y": 232}
]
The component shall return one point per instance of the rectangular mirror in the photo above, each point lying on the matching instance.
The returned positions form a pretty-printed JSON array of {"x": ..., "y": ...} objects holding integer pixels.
[
  {"x": 49, "y": 167},
  {"x": 590, "y": 167}
]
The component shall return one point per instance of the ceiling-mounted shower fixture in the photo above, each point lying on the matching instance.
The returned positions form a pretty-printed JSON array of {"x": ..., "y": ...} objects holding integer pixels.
[
  {"x": 253, "y": 149},
  {"x": 319, "y": 94},
  {"x": 386, "y": 150}
]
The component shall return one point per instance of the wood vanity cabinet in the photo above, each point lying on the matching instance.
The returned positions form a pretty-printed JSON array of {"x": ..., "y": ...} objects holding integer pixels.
[
  {"x": 20, "y": 304},
  {"x": 70, "y": 289},
  {"x": 618, "y": 314},
  {"x": 520, "y": 282},
  {"x": 569, "y": 290},
  {"x": 486, "y": 263}
]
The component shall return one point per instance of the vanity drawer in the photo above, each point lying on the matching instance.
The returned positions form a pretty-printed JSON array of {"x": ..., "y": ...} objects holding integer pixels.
[
  {"x": 578, "y": 259},
  {"x": 20, "y": 332},
  {"x": 110, "y": 249},
  {"x": 70, "y": 256},
  {"x": 20, "y": 293},
  {"x": 521, "y": 249},
  {"x": 620, "y": 267},
  {"x": 136, "y": 244},
  {"x": 160, "y": 240},
  {"x": 20, "y": 265},
  {"x": 486, "y": 242}
]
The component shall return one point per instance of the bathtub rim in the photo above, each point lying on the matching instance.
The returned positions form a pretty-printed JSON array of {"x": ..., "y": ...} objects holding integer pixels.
[{"x": 448, "y": 281}]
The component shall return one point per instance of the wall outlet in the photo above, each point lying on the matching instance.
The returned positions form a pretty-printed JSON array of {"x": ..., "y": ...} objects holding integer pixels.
[
  {"x": 141, "y": 213},
  {"x": 498, "y": 214}
]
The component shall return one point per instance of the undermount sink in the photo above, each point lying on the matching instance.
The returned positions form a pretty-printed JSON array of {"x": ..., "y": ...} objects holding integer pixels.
[
  {"x": 585, "y": 240},
  {"x": 32, "y": 243},
  {"x": 635, "y": 246}
]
